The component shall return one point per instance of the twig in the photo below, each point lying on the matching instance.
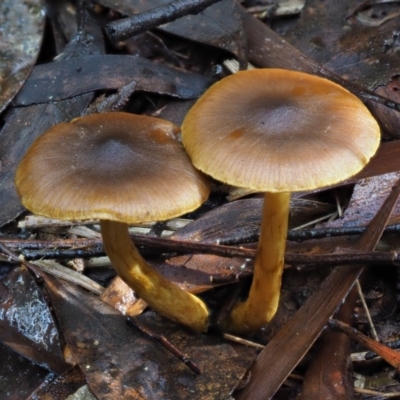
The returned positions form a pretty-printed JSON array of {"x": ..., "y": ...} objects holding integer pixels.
[
  {"x": 369, "y": 355},
  {"x": 300, "y": 236},
  {"x": 377, "y": 394},
  {"x": 317, "y": 220},
  {"x": 389, "y": 355},
  {"x": 80, "y": 247},
  {"x": 338, "y": 206},
  {"x": 242, "y": 341},
  {"x": 113, "y": 102},
  {"x": 308, "y": 234},
  {"x": 162, "y": 340},
  {"x": 35, "y": 222},
  {"x": 72, "y": 248},
  {"x": 128, "y": 27},
  {"x": 362, "y": 298}
]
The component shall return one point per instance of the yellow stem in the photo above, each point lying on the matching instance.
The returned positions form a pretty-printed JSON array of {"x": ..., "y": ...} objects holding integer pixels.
[
  {"x": 160, "y": 294},
  {"x": 262, "y": 303}
]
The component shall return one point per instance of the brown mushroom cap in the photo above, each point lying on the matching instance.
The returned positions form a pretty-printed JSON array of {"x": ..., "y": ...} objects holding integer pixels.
[
  {"x": 276, "y": 130},
  {"x": 114, "y": 166}
]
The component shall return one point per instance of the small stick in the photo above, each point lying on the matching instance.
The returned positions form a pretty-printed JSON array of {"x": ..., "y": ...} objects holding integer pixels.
[
  {"x": 389, "y": 355},
  {"x": 315, "y": 221},
  {"x": 371, "y": 324},
  {"x": 128, "y": 27},
  {"x": 338, "y": 206},
  {"x": 80, "y": 249},
  {"x": 377, "y": 394},
  {"x": 369, "y": 355},
  {"x": 307, "y": 234},
  {"x": 113, "y": 102},
  {"x": 174, "y": 224},
  {"x": 163, "y": 341},
  {"x": 140, "y": 240},
  {"x": 242, "y": 341}
]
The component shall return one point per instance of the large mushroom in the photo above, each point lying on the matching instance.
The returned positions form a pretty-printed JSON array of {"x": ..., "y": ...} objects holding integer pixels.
[
  {"x": 122, "y": 169},
  {"x": 277, "y": 131}
]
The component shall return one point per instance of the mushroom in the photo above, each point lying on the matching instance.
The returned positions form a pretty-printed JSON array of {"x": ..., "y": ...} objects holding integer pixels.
[
  {"x": 276, "y": 131},
  {"x": 122, "y": 169}
]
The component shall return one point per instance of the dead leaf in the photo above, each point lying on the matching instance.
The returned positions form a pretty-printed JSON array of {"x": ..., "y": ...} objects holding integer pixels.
[
  {"x": 26, "y": 323},
  {"x": 64, "y": 79},
  {"x": 21, "y": 31},
  {"x": 59, "y": 387},
  {"x": 120, "y": 362},
  {"x": 19, "y": 376},
  {"x": 23, "y": 125}
]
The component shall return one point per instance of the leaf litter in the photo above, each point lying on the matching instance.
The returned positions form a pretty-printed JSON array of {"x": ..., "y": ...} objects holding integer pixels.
[{"x": 121, "y": 362}]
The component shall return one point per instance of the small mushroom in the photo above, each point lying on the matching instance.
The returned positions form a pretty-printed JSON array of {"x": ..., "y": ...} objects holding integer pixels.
[
  {"x": 277, "y": 131},
  {"x": 122, "y": 169}
]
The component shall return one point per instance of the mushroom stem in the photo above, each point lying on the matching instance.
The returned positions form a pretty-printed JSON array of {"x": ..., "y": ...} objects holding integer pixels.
[
  {"x": 160, "y": 294},
  {"x": 262, "y": 303}
]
